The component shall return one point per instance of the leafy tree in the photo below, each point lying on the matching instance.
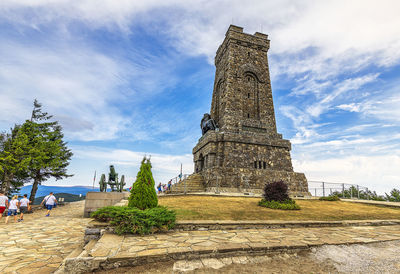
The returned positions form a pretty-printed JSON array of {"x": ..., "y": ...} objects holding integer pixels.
[
  {"x": 49, "y": 155},
  {"x": 14, "y": 160},
  {"x": 394, "y": 195},
  {"x": 143, "y": 193},
  {"x": 364, "y": 194}
]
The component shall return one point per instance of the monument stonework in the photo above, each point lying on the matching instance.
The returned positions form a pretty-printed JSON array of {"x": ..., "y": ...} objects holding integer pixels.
[{"x": 241, "y": 150}]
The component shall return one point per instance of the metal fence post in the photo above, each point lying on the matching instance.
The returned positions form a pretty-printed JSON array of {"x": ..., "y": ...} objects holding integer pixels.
[
  {"x": 323, "y": 189},
  {"x": 343, "y": 191},
  {"x": 351, "y": 192},
  {"x": 315, "y": 190},
  {"x": 367, "y": 194},
  {"x": 358, "y": 192}
]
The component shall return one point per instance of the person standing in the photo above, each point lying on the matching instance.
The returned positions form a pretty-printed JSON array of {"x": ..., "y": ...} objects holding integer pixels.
[
  {"x": 12, "y": 208},
  {"x": 169, "y": 185},
  {"x": 50, "y": 201},
  {"x": 3, "y": 203},
  {"x": 23, "y": 207}
]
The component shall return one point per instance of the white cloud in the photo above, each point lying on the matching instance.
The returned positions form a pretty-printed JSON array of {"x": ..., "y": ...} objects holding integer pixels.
[
  {"x": 379, "y": 173},
  {"x": 84, "y": 89},
  {"x": 74, "y": 84},
  {"x": 352, "y": 107},
  {"x": 126, "y": 162}
]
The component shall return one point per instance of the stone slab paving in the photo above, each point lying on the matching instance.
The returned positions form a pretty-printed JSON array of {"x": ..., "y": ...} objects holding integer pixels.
[
  {"x": 370, "y": 202},
  {"x": 113, "y": 251},
  {"x": 39, "y": 244}
]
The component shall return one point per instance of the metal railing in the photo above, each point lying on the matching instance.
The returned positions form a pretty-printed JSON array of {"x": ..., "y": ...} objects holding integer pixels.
[
  {"x": 323, "y": 189},
  {"x": 178, "y": 179}
]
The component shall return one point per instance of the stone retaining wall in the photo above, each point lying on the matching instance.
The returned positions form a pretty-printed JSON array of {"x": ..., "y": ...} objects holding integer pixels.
[{"x": 96, "y": 229}]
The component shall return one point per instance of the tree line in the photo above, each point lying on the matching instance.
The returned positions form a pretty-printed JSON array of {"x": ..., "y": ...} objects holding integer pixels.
[
  {"x": 33, "y": 152},
  {"x": 353, "y": 192}
]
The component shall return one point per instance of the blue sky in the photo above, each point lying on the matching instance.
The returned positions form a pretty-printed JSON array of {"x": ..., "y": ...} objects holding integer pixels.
[{"x": 129, "y": 78}]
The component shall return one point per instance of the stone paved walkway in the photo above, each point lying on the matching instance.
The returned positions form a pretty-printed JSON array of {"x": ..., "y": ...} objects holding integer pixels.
[
  {"x": 39, "y": 244},
  {"x": 118, "y": 250}
]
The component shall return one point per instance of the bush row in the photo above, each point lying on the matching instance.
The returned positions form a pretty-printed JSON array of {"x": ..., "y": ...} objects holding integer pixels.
[
  {"x": 285, "y": 205},
  {"x": 136, "y": 221},
  {"x": 330, "y": 198}
]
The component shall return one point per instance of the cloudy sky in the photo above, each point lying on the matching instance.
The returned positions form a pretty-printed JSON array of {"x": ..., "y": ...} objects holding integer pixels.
[{"x": 131, "y": 78}]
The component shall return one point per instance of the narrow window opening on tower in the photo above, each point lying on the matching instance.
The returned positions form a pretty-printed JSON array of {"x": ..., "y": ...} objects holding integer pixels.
[
  {"x": 259, "y": 164},
  {"x": 248, "y": 95},
  {"x": 264, "y": 165},
  {"x": 248, "y": 115},
  {"x": 255, "y": 164},
  {"x": 248, "y": 79},
  {"x": 248, "y": 53}
]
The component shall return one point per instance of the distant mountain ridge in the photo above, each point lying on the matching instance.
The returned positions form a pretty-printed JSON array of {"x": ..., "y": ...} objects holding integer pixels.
[
  {"x": 67, "y": 198},
  {"x": 45, "y": 190}
]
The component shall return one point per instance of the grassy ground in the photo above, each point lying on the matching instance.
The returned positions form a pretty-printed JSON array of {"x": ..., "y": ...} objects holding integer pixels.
[{"x": 238, "y": 208}]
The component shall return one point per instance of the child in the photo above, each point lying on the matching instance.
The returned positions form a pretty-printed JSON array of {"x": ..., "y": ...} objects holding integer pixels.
[
  {"x": 3, "y": 203},
  {"x": 50, "y": 201},
  {"x": 12, "y": 208},
  {"x": 23, "y": 207}
]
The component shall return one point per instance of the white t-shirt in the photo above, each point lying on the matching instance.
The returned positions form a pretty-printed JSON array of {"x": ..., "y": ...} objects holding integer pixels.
[
  {"x": 13, "y": 204},
  {"x": 3, "y": 200},
  {"x": 24, "y": 202},
  {"x": 50, "y": 199}
]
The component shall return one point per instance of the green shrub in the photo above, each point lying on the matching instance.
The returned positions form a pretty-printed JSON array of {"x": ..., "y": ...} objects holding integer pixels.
[
  {"x": 330, "y": 198},
  {"x": 276, "y": 191},
  {"x": 143, "y": 193},
  {"x": 136, "y": 221},
  {"x": 285, "y": 205}
]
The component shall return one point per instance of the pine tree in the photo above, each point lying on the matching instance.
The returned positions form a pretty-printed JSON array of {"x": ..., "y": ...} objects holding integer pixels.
[
  {"x": 143, "y": 193},
  {"x": 14, "y": 160},
  {"x": 49, "y": 155}
]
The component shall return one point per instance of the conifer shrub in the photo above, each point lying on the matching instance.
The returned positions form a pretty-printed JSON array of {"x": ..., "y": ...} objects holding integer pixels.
[
  {"x": 133, "y": 220},
  {"x": 330, "y": 198},
  {"x": 143, "y": 193},
  {"x": 276, "y": 196}
]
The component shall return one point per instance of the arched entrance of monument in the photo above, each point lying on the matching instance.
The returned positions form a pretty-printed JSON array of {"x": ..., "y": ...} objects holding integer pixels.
[{"x": 201, "y": 162}]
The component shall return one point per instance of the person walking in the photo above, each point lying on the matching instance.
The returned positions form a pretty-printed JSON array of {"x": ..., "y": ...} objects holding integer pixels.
[
  {"x": 159, "y": 188},
  {"x": 3, "y": 203},
  {"x": 13, "y": 208},
  {"x": 50, "y": 201},
  {"x": 23, "y": 207}
]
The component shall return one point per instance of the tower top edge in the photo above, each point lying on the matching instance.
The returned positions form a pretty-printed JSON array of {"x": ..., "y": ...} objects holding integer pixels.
[{"x": 237, "y": 29}]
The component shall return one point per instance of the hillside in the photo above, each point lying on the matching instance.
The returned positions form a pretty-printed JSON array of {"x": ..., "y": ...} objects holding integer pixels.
[{"x": 67, "y": 198}]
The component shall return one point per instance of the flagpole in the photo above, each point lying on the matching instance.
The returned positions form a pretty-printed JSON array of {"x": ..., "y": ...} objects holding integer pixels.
[{"x": 94, "y": 178}]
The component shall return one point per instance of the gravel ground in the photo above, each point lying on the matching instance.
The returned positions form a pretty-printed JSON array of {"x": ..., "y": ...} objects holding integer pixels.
[{"x": 370, "y": 258}]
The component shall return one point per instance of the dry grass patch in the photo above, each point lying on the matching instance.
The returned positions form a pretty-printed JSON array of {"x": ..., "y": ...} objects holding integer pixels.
[{"x": 238, "y": 208}]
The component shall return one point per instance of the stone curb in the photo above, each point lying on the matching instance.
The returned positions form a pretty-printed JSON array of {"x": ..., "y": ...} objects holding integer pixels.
[{"x": 236, "y": 225}]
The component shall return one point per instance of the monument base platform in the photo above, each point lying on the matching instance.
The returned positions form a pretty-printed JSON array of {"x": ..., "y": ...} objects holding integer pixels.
[
  {"x": 251, "y": 181},
  {"x": 96, "y": 200}
]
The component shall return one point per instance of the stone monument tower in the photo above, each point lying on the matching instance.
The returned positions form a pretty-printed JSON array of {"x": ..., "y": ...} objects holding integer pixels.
[{"x": 240, "y": 150}]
